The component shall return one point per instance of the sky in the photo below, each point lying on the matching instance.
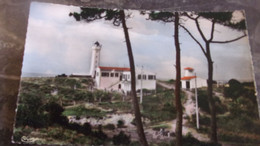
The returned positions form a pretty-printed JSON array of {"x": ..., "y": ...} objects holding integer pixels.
[{"x": 57, "y": 43}]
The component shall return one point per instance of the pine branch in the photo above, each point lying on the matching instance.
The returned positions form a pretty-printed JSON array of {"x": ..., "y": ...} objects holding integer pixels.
[
  {"x": 204, "y": 52},
  {"x": 229, "y": 41},
  {"x": 199, "y": 29},
  {"x": 212, "y": 31},
  {"x": 187, "y": 15}
]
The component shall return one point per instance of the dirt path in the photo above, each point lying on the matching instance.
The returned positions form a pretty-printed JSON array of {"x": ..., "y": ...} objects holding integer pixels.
[
  {"x": 189, "y": 110},
  {"x": 189, "y": 106}
]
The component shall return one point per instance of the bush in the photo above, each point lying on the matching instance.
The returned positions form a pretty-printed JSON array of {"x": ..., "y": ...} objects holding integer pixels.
[
  {"x": 204, "y": 105},
  {"x": 234, "y": 90},
  {"x": 102, "y": 96},
  {"x": 120, "y": 123},
  {"x": 100, "y": 134},
  {"x": 30, "y": 110},
  {"x": 159, "y": 107},
  {"x": 203, "y": 100},
  {"x": 239, "y": 123},
  {"x": 74, "y": 126},
  {"x": 62, "y": 75},
  {"x": 189, "y": 140},
  {"x": 18, "y": 134},
  {"x": 56, "y": 133},
  {"x": 55, "y": 111},
  {"x": 86, "y": 129},
  {"x": 171, "y": 81},
  {"x": 121, "y": 139},
  {"x": 110, "y": 126},
  {"x": 82, "y": 111}
]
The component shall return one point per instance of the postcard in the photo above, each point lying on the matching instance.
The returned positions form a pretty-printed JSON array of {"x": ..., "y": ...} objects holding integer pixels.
[{"x": 94, "y": 76}]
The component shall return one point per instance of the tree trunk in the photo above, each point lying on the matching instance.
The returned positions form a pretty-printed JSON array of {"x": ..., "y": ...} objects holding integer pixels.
[
  {"x": 178, "y": 130},
  {"x": 138, "y": 119},
  {"x": 213, "y": 122}
]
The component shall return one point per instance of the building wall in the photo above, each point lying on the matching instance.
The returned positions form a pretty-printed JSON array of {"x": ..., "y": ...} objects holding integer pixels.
[
  {"x": 109, "y": 83},
  {"x": 112, "y": 83},
  {"x": 146, "y": 84},
  {"x": 200, "y": 83}
]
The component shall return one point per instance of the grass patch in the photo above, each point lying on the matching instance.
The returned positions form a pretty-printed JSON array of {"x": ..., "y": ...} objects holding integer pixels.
[
  {"x": 159, "y": 107},
  {"x": 82, "y": 111},
  {"x": 117, "y": 106}
]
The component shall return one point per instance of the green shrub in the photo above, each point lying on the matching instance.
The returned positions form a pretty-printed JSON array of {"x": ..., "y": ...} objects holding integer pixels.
[
  {"x": 30, "y": 110},
  {"x": 110, "y": 127},
  {"x": 100, "y": 134},
  {"x": 234, "y": 90},
  {"x": 159, "y": 107},
  {"x": 189, "y": 140},
  {"x": 82, "y": 111},
  {"x": 56, "y": 133},
  {"x": 120, "y": 123},
  {"x": 204, "y": 105},
  {"x": 17, "y": 134},
  {"x": 86, "y": 129},
  {"x": 241, "y": 123},
  {"x": 121, "y": 139},
  {"x": 102, "y": 96}
]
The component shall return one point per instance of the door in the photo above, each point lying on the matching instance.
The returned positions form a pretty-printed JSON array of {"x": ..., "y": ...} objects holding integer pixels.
[{"x": 188, "y": 84}]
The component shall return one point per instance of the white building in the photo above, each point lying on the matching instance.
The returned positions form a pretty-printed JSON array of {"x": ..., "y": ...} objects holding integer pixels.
[
  {"x": 118, "y": 78},
  {"x": 189, "y": 80}
]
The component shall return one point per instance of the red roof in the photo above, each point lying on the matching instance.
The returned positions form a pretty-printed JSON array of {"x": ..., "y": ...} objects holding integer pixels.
[
  {"x": 114, "y": 68},
  {"x": 188, "y": 77},
  {"x": 188, "y": 68}
]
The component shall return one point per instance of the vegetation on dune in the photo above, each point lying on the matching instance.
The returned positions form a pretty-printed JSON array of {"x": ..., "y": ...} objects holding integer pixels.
[
  {"x": 117, "y": 106},
  {"x": 82, "y": 111},
  {"x": 39, "y": 109},
  {"x": 237, "y": 113},
  {"x": 159, "y": 107},
  {"x": 121, "y": 139},
  {"x": 204, "y": 106}
]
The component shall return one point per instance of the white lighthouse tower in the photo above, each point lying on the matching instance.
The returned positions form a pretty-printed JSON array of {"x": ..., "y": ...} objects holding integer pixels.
[
  {"x": 191, "y": 81},
  {"x": 95, "y": 59},
  {"x": 188, "y": 72}
]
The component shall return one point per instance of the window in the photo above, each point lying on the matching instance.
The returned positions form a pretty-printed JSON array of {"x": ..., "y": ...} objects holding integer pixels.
[
  {"x": 97, "y": 74},
  {"x": 154, "y": 77},
  {"x": 105, "y": 74},
  {"x": 112, "y": 75},
  {"x": 144, "y": 77},
  {"x": 128, "y": 76},
  {"x": 150, "y": 77},
  {"x": 139, "y": 77},
  {"x": 116, "y": 74}
]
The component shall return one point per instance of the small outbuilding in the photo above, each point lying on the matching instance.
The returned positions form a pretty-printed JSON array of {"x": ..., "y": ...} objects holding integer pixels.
[{"x": 190, "y": 80}]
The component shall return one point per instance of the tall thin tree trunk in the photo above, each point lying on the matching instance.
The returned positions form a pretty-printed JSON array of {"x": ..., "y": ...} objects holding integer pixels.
[
  {"x": 178, "y": 104},
  {"x": 138, "y": 119},
  {"x": 211, "y": 102}
]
